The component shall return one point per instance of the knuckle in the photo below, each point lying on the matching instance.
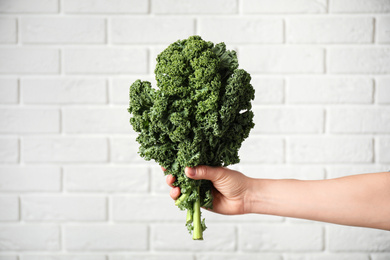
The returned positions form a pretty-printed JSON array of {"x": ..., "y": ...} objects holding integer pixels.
[{"x": 201, "y": 171}]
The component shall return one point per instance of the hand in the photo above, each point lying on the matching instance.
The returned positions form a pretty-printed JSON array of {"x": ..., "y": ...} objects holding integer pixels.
[{"x": 229, "y": 190}]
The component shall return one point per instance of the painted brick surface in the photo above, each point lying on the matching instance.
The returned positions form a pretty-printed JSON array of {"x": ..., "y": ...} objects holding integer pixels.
[
  {"x": 33, "y": 6},
  {"x": 333, "y": 90},
  {"x": 9, "y": 91},
  {"x": 29, "y": 60},
  {"x": 284, "y": 6},
  {"x": 62, "y": 30},
  {"x": 9, "y": 150},
  {"x": 60, "y": 208},
  {"x": 256, "y": 30},
  {"x": 106, "y": 237},
  {"x": 158, "y": 30},
  {"x": 330, "y": 30},
  {"x": 72, "y": 184},
  {"x": 129, "y": 179},
  {"x": 359, "y": 60},
  {"x": 194, "y": 7},
  {"x": 21, "y": 120},
  {"x": 10, "y": 206},
  {"x": 66, "y": 149},
  {"x": 383, "y": 90},
  {"x": 8, "y": 28},
  {"x": 261, "y": 238},
  {"x": 45, "y": 237},
  {"x": 59, "y": 90},
  {"x": 105, "y": 7},
  {"x": 103, "y": 60},
  {"x": 30, "y": 178},
  {"x": 282, "y": 59}
]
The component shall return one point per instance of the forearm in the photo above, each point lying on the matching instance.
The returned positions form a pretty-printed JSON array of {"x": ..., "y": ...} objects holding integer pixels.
[{"x": 358, "y": 200}]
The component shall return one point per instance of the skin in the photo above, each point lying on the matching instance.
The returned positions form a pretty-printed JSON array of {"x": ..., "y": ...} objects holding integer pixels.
[{"x": 358, "y": 200}]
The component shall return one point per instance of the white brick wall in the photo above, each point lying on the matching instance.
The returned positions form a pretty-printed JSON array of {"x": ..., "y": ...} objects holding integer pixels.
[{"x": 72, "y": 185}]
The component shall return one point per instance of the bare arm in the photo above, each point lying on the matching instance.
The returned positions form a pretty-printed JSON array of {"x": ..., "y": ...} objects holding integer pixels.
[{"x": 358, "y": 200}]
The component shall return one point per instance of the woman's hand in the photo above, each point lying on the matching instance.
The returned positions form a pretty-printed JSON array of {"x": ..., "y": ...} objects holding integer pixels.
[{"x": 229, "y": 191}]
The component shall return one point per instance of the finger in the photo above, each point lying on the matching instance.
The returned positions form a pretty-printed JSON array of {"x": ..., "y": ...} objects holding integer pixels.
[
  {"x": 162, "y": 168},
  {"x": 203, "y": 172},
  {"x": 170, "y": 180},
  {"x": 175, "y": 193}
]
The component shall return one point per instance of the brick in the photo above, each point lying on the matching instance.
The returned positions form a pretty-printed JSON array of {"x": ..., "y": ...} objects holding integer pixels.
[
  {"x": 9, "y": 150},
  {"x": 11, "y": 203},
  {"x": 330, "y": 30},
  {"x": 95, "y": 120},
  {"x": 288, "y": 120},
  {"x": 129, "y": 179},
  {"x": 165, "y": 236},
  {"x": 120, "y": 87},
  {"x": 29, "y": 60},
  {"x": 68, "y": 90},
  {"x": 383, "y": 148},
  {"x": 382, "y": 29},
  {"x": 262, "y": 150},
  {"x": 334, "y": 90},
  {"x": 33, "y": 6},
  {"x": 284, "y": 59},
  {"x": 280, "y": 238},
  {"x": 359, "y": 6},
  {"x": 359, "y": 120},
  {"x": 9, "y": 91},
  {"x": 194, "y": 7},
  {"x": 125, "y": 150},
  {"x": 62, "y": 30},
  {"x": 22, "y": 120},
  {"x": 103, "y": 6},
  {"x": 358, "y": 60},
  {"x": 268, "y": 90},
  {"x": 238, "y": 256},
  {"x": 105, "y": 60},
  {"x": 347, "y": 170},
  {"x": 18, "y": 237},
  {"x": 153, "y": 29},
  {"x": 63, "y": 257},
  {"x": 380, "y": 256},
  {"x": 106, "y": 237},
  {"x": 283, "y": 172},
  {"x": 284, "y": 6},
  {"x": 152, "y": 256},
  {"x": 8, "y": 29},
  {"x": 158, "y": 183},
  {"x": 160, "y": 208},
  {"x": 63, "y": 208},
  {"x": 8, "y": 257},
  {"x": 329, "y": 150},
  {"x": 64, "y": 149},
  {"x": 382, "y": 90},
  {"x": 30, "y": 178},
  {"x": 246, "y": 29},
  {"x": 345, "y": 239},
  {"x": 328, "y": 256}
]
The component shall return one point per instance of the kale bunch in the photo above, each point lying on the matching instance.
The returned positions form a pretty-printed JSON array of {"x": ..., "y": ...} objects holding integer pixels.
[{"x": 199, "y": 115}]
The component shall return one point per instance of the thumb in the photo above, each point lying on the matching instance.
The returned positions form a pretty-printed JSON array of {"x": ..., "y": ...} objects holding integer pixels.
[{"x": 203, "y": 172}]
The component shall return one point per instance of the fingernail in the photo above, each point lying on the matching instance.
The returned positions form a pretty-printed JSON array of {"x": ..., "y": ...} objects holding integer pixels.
[{"x": 190, "y": 172}]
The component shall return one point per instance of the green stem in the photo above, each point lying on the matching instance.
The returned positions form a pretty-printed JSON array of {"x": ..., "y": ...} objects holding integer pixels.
[
  {"x": 198, "y": 231},
  {"x": 182, "y": 198},
  {"x": 189, "y": 217}
]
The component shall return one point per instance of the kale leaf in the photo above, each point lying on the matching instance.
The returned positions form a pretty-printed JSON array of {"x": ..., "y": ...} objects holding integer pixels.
[{"x": 199, "y": 115}]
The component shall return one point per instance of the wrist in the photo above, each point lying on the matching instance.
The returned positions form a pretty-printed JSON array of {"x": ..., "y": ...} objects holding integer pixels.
[{"x": 254, "y": 201}]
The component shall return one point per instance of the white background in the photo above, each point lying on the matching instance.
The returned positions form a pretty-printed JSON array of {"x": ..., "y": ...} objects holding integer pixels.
[{"x": 71, "y": 183}]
